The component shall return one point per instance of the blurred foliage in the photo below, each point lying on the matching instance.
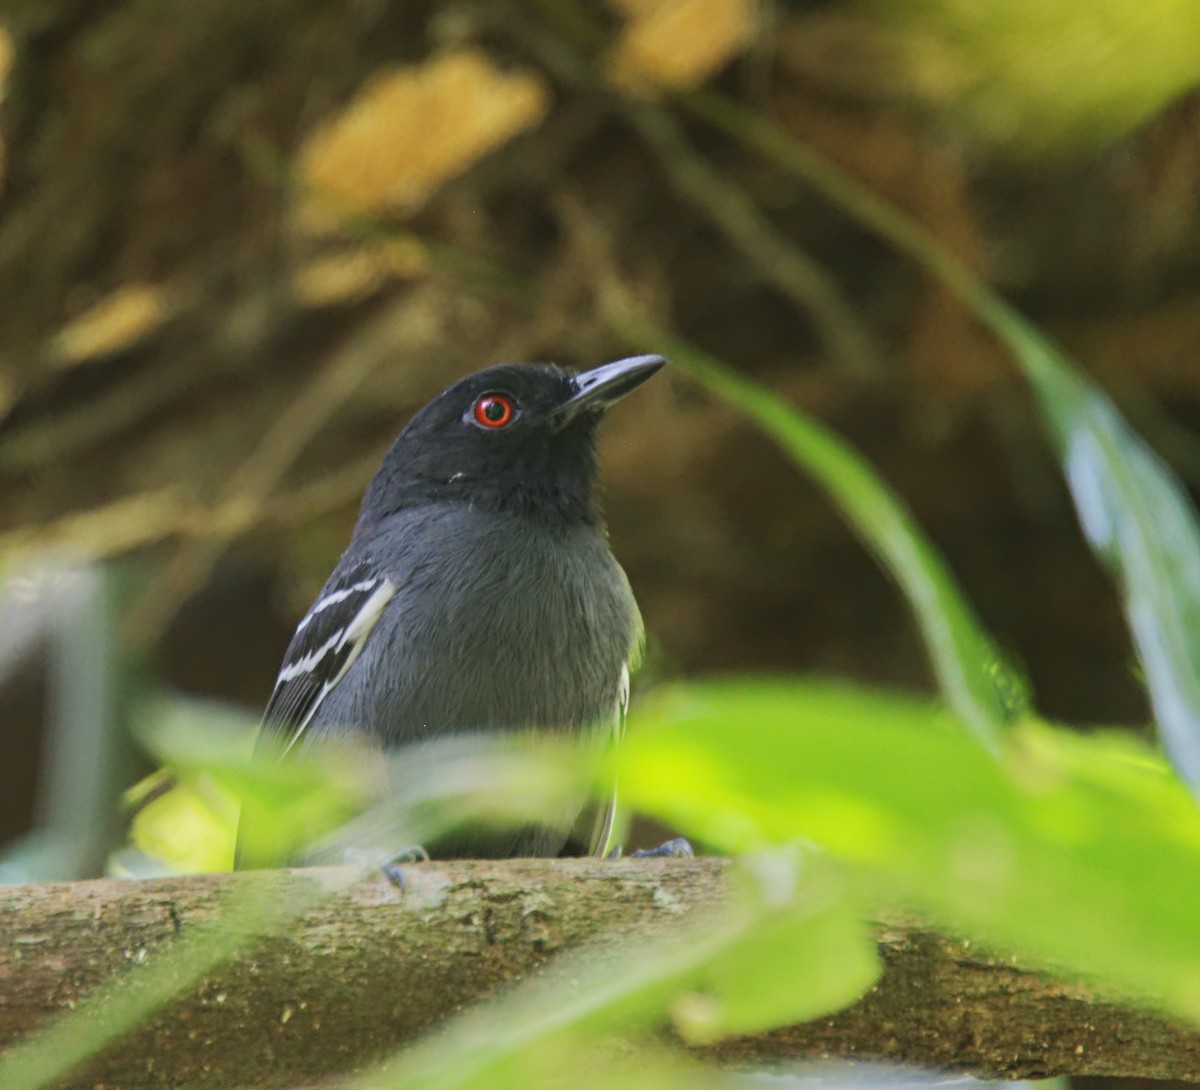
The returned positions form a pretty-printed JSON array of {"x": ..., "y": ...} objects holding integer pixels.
[
  {"x": 1041, "y": 76},
  {"x": 1079, "y": 853},
  {"x": 790, "y": 945},
  {"x": 185, "y": 816},
  {"x": 1076, "y": 853},
  {"x": 1139, "y": 520}
]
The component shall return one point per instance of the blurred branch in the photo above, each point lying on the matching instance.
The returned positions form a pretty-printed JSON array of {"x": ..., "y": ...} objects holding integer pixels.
[
  {"x": 149, "y": 518},
  {"x": 782, "y": 263},
  {"x": 63, "y": 612},
  {"x": 254, "y": 482},
  {"x": 369, "y": 968}
]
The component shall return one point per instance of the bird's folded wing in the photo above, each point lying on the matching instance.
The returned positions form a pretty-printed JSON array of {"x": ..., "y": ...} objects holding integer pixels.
[{"x": 327, "y": 641}]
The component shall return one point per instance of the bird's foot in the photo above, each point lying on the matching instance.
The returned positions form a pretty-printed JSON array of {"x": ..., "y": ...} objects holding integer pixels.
[
  {"x": 676, "y": 848},
  {"x": 415, "y": 853}
]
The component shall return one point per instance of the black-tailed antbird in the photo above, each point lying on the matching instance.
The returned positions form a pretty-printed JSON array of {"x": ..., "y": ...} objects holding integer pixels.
[{"x": 478, "y": 591}]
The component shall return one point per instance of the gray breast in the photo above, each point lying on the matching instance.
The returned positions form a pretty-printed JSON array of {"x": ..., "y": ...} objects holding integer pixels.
[{"x": 496, "y": 623}]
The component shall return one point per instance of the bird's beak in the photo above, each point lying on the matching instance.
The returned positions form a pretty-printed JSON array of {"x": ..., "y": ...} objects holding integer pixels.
[{"x": 602, "y": 387}]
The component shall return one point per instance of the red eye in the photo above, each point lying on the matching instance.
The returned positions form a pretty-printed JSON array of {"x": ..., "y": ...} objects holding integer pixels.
[{"x": 494, "y": 411}]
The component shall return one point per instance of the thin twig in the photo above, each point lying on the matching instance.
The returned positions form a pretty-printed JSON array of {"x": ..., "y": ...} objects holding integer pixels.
[
  {"x": 149, "y": 518},
  {"x": 780, "y": 261},
  {"x": 253, "y": 482},
  {"x": 801, "y": 278}
]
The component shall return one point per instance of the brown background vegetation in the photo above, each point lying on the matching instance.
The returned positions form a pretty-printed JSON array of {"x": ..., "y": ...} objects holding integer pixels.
[{"x": 240, "y": 243}]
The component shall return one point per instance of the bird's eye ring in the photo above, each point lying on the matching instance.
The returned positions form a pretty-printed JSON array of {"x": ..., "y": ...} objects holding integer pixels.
[{"x": 494, "y": 411}]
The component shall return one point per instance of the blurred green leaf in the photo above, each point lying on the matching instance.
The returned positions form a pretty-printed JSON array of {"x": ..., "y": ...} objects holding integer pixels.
[
  {"x": 1139, "y": 520},
  {"x": 222, "y": 785},
  {"x": 971, "y": 673},
  {"x": 805, "y": 952},
  {"x": 789, "y": 946},
  {"x": 1080, "y": 853},
  {"x": 191, "y": 828},
  {"x": 68, "y": 610},
  {"x": 1047, "y": 75},
  {"x": 437, "y": 786}
]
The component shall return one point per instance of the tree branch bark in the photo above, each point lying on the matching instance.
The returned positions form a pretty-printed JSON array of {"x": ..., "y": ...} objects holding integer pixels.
[{"x": 370, "y": 968}]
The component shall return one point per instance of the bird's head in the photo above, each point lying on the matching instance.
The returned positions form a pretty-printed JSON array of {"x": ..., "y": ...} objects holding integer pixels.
[{"x": 516, "y": 437}]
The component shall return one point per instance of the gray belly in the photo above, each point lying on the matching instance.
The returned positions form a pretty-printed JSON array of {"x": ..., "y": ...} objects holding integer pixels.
[
  {"x": 493, "y": 626},
  {"x": 481, "y": 636}
]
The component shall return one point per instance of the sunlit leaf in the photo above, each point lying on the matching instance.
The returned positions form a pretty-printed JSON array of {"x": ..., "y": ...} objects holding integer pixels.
[
  {"x": 789, "y": 945},
  {"x": 409, "y": 129},
  {"x": 679, "y": 42},
  {"x": 1091, "y": 864},
  {"x": 222, "y": 785},
  {"x": 191, "y": 828},
  {"x": 1039, "y": 75}
]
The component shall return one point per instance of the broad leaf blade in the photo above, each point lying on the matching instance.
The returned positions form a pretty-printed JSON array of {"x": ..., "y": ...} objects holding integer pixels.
[
  {"x": 790, "y": 945},
  {"x": 1081, "y": 853},
  {"x": 1140, "y": 521}
]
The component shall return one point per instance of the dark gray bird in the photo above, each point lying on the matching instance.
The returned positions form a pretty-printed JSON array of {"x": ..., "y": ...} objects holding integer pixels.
[{"x": 478, "y": 591}]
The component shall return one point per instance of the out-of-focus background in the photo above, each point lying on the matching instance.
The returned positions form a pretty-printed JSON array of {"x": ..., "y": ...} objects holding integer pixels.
[{"x": 241, "y": 243}]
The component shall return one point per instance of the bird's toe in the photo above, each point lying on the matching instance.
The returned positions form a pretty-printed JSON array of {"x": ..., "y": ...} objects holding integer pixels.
[{"x": 676, "y": 848}]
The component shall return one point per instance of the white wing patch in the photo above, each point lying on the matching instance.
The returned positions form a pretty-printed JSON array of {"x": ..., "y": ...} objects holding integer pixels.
[
  {"x": 354, "y": 637},
  {"x": 326, "y": 644},
  {"x": 333, "y": 598},
  {"x": 307, "y": 663}
]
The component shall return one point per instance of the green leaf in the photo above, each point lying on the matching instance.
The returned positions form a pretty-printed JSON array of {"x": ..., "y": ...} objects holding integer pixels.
[
  {"x": 808, "y": 954},
  {"x": 1035, "y": 75},
  {"x": 1082, "y": 853},
  {"x": 1135, "y": 513},
  {"x": 1140, "y": 521},
  {"x": 789, "y": 946},
  {"x": 473, "y": 777},
  {"x": 222, "y": 784}
]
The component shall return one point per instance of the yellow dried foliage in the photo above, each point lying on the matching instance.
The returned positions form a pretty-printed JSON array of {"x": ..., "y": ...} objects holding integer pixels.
[
  {"x": 116, "y": 322},
  {"x": 353, "y": 274},
  {"x": 116, "y": 528},
  {"x": 409, "y": 130},
  {"x": 8, "y": 55},
  {"x": 678, "y": 42}
]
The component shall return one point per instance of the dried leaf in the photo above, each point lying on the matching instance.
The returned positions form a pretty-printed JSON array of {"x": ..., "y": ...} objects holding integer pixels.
[
  {"x": 678, "y": 42},
  {"x": 8, "y": 56},
  {"x": 409, "y": 130},
  {"x": 117, "y": 321},
  {"x": 356, "y": 273}
]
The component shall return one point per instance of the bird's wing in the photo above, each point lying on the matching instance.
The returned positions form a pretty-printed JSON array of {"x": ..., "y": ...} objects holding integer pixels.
[{"x": 327, "y": 641}]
